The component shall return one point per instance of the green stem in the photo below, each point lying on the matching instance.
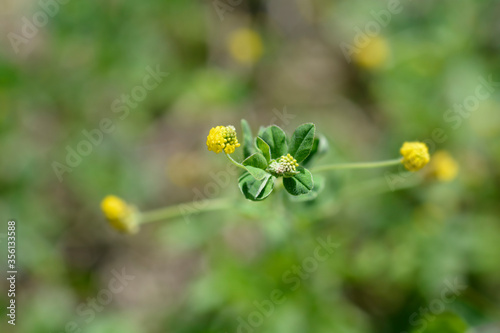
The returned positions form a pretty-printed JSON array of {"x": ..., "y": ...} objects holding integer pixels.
[
  {"x": 189, "y": 208},
  {"x": 185, "y": 209},
  {"x": 360, "y": 165},
  {"x": 239, "y": 165}
]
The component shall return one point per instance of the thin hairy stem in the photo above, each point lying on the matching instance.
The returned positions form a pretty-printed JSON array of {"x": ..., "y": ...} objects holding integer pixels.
[
  {"x": 239, "y": 165},
  {"x": 185, "y": 209},
  {"x": 360, "y": 165}
]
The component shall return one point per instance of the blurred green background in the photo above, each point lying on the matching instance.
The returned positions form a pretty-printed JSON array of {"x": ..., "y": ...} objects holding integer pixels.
[{"x": 64, "y": 67}]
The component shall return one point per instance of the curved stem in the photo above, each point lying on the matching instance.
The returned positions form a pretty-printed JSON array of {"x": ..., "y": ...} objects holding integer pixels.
[
  {"x": 239, "y": 165},
  {"x": 360, "y": 165},
  {"x": 185, "y": 209}
]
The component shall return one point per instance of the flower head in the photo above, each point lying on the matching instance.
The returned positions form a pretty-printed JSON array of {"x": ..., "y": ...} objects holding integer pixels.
[
  {"x": 222, "y": 138},
  {"x": 284, "y": 166},
  {"x": 415, "y": 155},
  {"x": 443, "y": 166},
  {"x": 120, "y": 215}
]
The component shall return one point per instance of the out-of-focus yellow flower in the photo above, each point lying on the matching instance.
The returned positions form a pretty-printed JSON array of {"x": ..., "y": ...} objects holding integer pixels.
[
  {"x": 120, "y": 215},
  {"x": 245, "y": 46},
  {"x": 222, "y": 138},
  {"x": 443, "y": 166},
  {"x": 374, "y": 54},
  {"x": 415, "y": 155}
]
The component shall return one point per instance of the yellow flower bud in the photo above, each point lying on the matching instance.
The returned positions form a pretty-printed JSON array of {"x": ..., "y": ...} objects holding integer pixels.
[
  {"x": 415, "y": 155},
  {"x": 120, "y": 215},
  {"x": 222, "y": 138},
  {"x": 443, "y": 166}
]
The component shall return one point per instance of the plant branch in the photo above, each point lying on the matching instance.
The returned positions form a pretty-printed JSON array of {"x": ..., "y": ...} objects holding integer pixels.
[
  {"x": 185, "y": 209},
  {"x": 360, "y": 165},
  {"x": 239, "y": 165}
]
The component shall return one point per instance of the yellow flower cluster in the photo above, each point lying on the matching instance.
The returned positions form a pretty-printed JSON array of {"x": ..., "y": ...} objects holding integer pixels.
[
  {"x": 415, "y": 155},
  {"x": 120, "y": 215},
  {"x": 222, "y": 138},
  {"x": 443, "y": 166}
]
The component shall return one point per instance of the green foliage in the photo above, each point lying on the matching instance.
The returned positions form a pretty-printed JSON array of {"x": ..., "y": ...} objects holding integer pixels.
[
  {"x": 272, "y": 144},
  {"x": 302, "y": 141},
  {"x": 254, "y": 189},
  {"x": 257, "y": 173},
  {"x": 256, "y": 165},
  {"x": 248, "y": 148},
  {"x": 264, "y": 148},
  {"x": 256, "y": 160},
  {"x": 301, "y": 183},
  {"x": 319, "y": 185},
  {"x": 275, "y": 137}
]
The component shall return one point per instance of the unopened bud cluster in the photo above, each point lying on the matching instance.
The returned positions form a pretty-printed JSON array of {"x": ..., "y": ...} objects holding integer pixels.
[
  {"x": 415, "y": 155},
  {"x": 284, "y": 166}
]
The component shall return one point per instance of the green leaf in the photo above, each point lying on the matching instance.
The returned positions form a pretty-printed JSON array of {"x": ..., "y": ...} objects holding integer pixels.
[
  {"x": 256, "y": 190},
  {"x": 256, "y": 165},
  {"x": 276, "y": 139},
  {"x": 319, "y": 185},
  {"x": 302, "y": 142},
  {"x": 264, "y": 148},
  {"x": 248, "y": 148},
  {"x": 256, "y": 160},
  {"x": 320, "y": 147},
  {"x": 262, "y": 129},
  {"x": 301, "y": 183},
  {"x": 257, "y": 173}
]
